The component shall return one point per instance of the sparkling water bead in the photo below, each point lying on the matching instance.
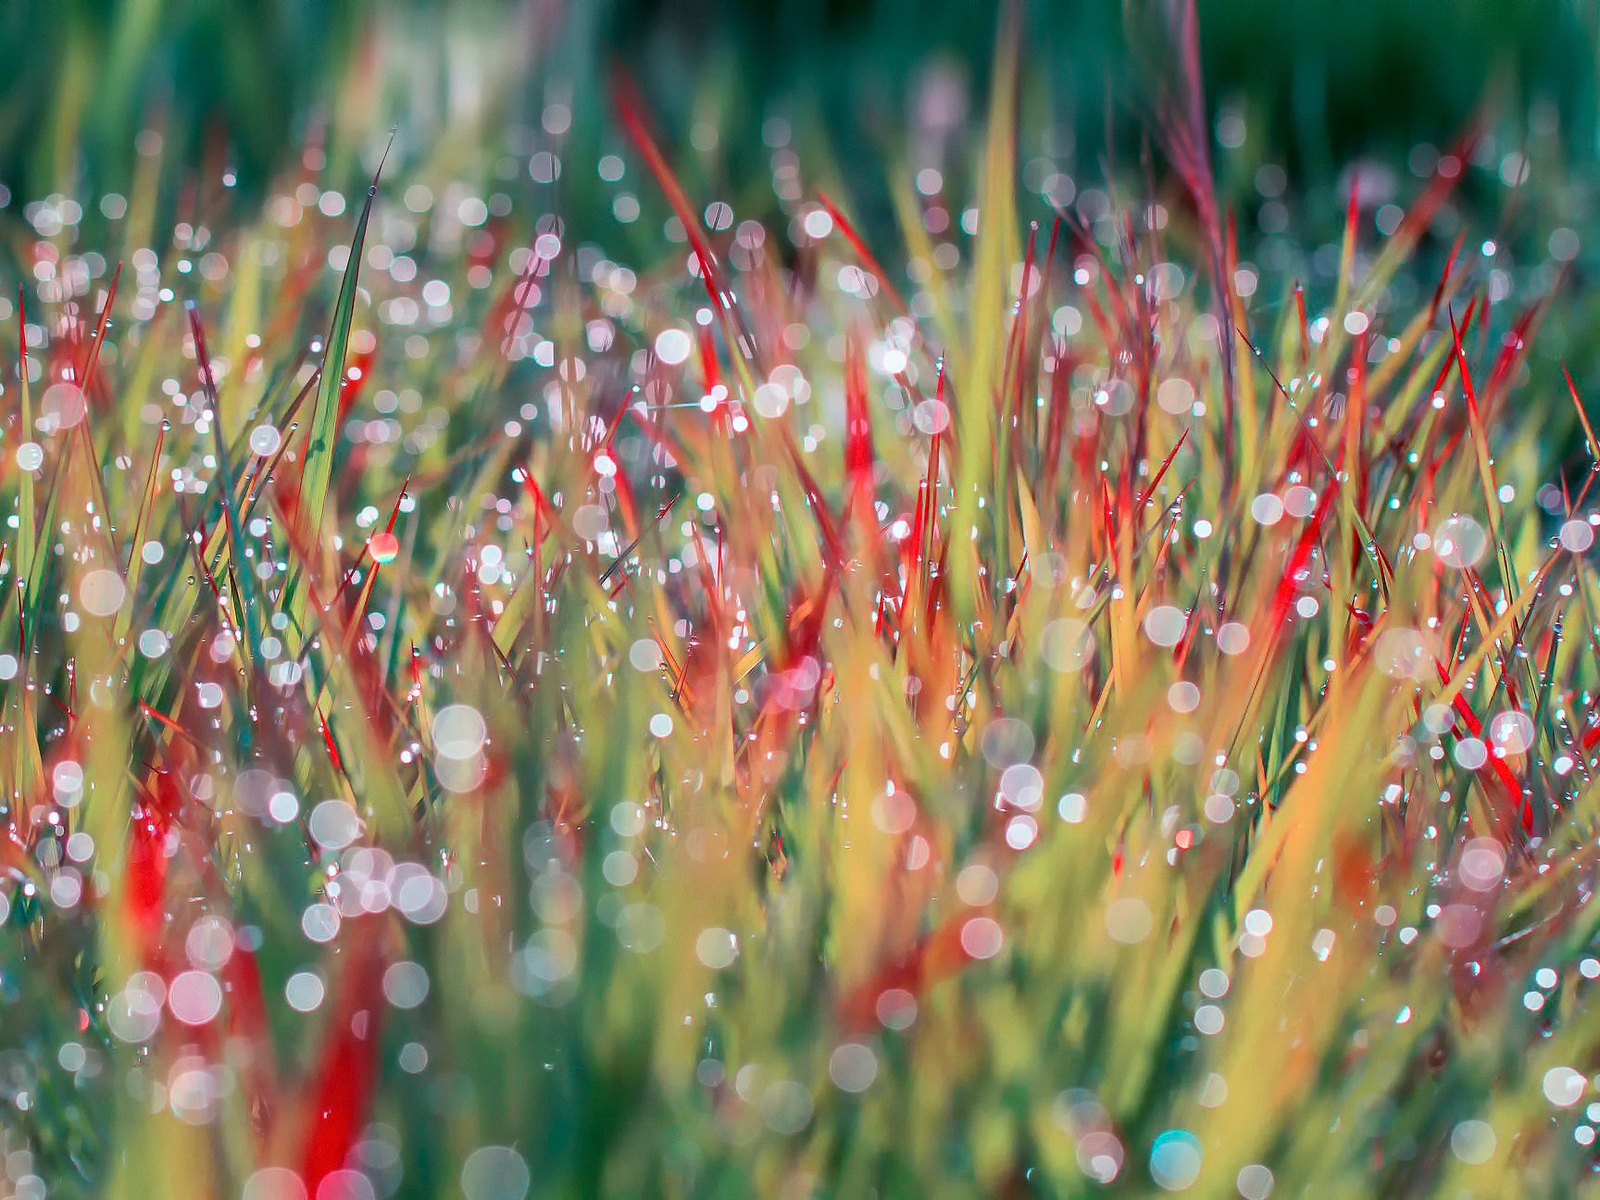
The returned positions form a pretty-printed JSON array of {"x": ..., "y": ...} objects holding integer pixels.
[{"x": 385, "y": 546}]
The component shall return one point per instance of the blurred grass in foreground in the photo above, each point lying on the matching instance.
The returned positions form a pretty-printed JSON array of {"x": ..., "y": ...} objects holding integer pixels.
[{"x": 1070, "y": 714}]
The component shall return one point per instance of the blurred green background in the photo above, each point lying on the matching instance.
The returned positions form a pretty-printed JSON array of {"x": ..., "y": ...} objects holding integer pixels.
[
  {"x": 95, "y": 95},
  {"x": 862, "y": 91},
  {"x": 1322, "y": 82}
]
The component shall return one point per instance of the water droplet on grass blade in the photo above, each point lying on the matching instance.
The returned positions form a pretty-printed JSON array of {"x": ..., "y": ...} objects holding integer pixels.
[
  {"x": 1512, "y": 731},
  {"x": 345, "y": 1184},
  {"x": 716, "y": 948},
  {"x": 209, "y": 944},
  {"x": 304, "y": 991},
  {"x": 334, "y": 824},
  {"x": 619, "y": 868},
  {"x": 1164, "y": 624},
  {"x": 385, "y": 547},
  {"x": 1175, "y": 1160},
  {"x": 786, "y": 1106},
  {"x": 1563, "y": 1086},
  {"x": 274, "y": 1183},
  {"x": 673, "y": 346},
  {"x": 102, "y": 592},
  {"x": 645, "y": 655},
  {"x": 495, "y": 1173},
  {"x": 1459, "y": 925},
  {"x": 1183, "y": 696},
  {"x": 265, "y": 440},
  {"x": 405, "y": 984},
  {"x": 1471, "y": 753},
  {"x": 133, "y": 1013},
  {"x": 853, "y": 1067},
  {"x": 1254, "y": 1182},
  {"x": 195, "y": 997},
  {"x": 1175, "y": 396},
  {"x": 1129, "y": 920},
  {"x": 1473, "y": 1142},
  {"x": 1482, "y": 863},
  {"x": 982, "y": 937},
  {"x": 1576, "y": 536},
  {"x": 320, "y": 922},
  {"x": 1266, "y": 509},
  {"x": 459, "y": 731},
  {"x": 1067, "y": 644},
  {"x": 1233, "y": 638},
  {"x": 1459, "y": 542},
  {"x": 63, "y": 405},
  {"x": 1073, "y": 807},
  {"x": 640, "y": 927}
]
